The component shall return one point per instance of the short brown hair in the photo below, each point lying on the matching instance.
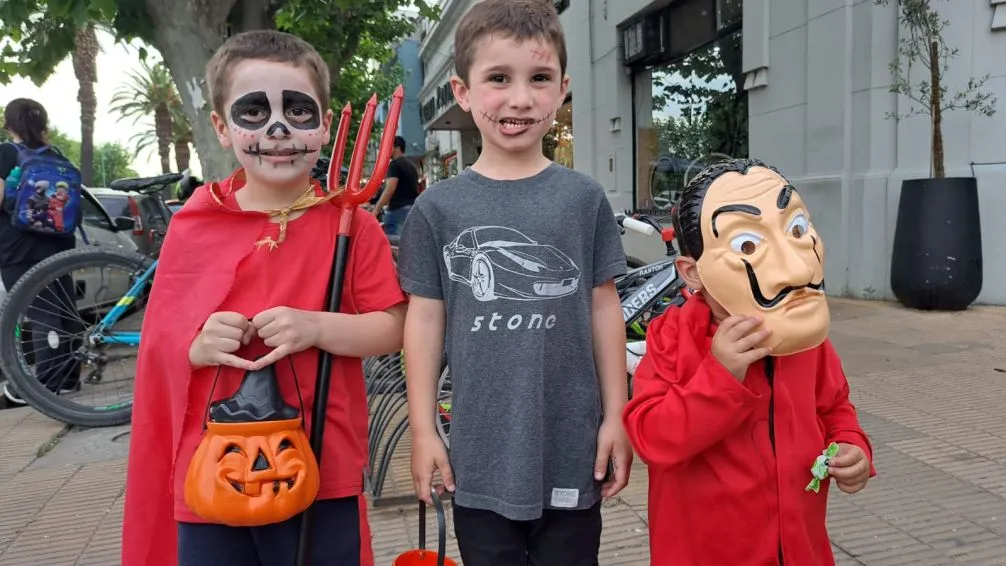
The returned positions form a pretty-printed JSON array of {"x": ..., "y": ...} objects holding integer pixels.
[
  {"x": 515, "y": 19},
  {"x": 265, "y": 45}
]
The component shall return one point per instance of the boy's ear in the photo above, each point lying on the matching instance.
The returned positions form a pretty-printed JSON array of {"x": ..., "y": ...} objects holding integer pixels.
[
  {"x": 565, "y": 89},
  {"x": 220, "y": 126},
  {"x": 460, "y": 90},
  {"x": 689, "y": 271},
  {"x": 327, "y": 123}
]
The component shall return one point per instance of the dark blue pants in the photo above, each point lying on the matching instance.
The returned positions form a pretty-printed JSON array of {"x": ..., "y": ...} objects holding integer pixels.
[{"x": 336, "y": 540}]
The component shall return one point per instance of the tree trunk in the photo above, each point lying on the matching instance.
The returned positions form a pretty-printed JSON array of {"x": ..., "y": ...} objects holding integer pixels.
[
  {"x": 935, "y": 105},
  {"x": 162, "y": 129},
  {"x": 182, "y": 153},
  {"x": 187, "y": 33},
  {"x": 85, "y": 55}
]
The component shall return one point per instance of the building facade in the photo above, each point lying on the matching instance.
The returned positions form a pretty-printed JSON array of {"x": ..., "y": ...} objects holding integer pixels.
[{"x": 660, "y": 88}]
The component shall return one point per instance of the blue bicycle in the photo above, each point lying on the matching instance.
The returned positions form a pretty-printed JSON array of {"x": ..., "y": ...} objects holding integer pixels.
[{"x": 69, "y": 329}]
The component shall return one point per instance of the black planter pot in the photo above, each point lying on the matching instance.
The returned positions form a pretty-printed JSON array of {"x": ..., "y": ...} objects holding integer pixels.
[{"x": 936, "y": 262}]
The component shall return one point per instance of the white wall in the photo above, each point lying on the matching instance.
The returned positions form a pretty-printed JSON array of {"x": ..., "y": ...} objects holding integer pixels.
[{"x": 821, "y": 120}]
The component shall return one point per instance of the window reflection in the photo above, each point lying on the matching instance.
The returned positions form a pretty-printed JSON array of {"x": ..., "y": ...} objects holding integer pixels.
[
  {"x": 558, "y": 142},
  {"x": 690, "y": 113}
]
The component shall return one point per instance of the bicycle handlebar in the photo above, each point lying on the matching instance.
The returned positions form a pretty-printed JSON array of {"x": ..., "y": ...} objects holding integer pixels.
[{"x": 630, "y": 223}]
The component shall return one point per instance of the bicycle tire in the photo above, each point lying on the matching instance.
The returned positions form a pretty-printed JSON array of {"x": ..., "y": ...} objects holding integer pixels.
[{"x": 20, "y": 298}]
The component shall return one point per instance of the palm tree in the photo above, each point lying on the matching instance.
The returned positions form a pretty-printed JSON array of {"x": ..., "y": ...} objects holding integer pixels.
[
  {"x": 150, "y": 92},
  {"x": 85, "y": 68}
]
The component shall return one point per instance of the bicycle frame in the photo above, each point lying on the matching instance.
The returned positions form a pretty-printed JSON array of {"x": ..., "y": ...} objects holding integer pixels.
[{"x": 101, "y": 335}]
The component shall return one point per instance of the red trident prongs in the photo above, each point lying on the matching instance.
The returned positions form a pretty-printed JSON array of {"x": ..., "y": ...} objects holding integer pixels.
[{"x": 353, "y": 195}]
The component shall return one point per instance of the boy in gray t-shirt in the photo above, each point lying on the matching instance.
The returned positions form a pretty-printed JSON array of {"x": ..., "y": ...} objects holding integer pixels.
[{"x": 510, "y": 264}]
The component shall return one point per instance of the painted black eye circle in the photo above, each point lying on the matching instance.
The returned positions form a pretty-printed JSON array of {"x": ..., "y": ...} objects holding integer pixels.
[
  {"x": 797, "y": 231},
  {"x": 299, "y": 114},
  {"x": 748, "y": 247}
]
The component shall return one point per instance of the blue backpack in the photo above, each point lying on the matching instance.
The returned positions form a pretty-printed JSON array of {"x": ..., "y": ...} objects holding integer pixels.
[{"x": 45, "y": 189}]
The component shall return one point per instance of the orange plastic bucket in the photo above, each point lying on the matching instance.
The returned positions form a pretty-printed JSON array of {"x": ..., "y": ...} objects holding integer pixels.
[{"x": 421, "y": 556}]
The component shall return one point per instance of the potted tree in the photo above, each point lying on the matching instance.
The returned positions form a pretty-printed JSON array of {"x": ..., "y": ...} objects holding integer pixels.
[{"x": 936, "y": 263}]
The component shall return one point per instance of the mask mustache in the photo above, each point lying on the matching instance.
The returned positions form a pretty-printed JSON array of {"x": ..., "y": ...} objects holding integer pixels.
[{"x": 767, "y": 303}]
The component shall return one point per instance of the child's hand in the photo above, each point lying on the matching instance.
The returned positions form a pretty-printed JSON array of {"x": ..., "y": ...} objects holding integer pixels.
[
  {"x": 286, "y": 330},
  {"x": 850, "y": 468},
  {"x": 429, "y": 455},
  {"x": 222, "y": 335},
  {"x": 734, "y": 344},
  {"x": 613, "y": 445}
]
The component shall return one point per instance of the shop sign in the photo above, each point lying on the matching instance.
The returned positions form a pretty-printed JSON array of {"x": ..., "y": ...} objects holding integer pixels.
[{"x": 443, "y": 98}]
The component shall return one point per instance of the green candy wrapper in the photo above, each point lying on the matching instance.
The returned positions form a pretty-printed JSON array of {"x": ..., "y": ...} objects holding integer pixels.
[{"x": 820, "y": 468}]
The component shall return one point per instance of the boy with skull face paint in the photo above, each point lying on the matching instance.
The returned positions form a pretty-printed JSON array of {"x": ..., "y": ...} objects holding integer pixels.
[
  {"x": 740, "y": 390},
  {"x": 241, "y": 285}
]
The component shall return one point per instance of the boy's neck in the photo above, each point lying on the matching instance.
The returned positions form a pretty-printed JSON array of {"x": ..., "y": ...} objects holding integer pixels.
[
  {"x": 505, "y": 166},
  {"x": 256, "y": 196}
]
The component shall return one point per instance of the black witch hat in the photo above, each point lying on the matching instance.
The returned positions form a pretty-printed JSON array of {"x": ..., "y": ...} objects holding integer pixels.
[{"x": 257, "y": 400}]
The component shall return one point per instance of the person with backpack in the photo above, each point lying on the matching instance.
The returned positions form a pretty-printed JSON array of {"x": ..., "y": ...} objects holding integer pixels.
[{"x": 41, "y": 209}]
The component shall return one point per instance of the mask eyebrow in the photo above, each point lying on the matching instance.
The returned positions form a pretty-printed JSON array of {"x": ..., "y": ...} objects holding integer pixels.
[
  {"x": 784, "y": 195},
  {"x": 741, "y": 208}
]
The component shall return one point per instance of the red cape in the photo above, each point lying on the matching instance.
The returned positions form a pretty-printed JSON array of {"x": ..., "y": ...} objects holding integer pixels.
[{"x": 183, "y": 296}]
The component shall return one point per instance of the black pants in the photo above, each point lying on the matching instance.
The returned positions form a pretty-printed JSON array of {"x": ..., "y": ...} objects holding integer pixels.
[
  {"x": 54, "y": 333},
  {"x": 336, "y": 540},
  {"x": 558, "y": 538}
]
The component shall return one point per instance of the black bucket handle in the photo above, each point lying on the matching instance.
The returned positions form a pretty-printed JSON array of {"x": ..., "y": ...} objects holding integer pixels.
[{"x": 438, "y": 506}]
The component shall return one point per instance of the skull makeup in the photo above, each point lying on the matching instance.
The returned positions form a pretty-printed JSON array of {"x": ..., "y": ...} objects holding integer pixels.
[
  {"x": 756, "y": 251},
  {"x": 277, "y": 131}
]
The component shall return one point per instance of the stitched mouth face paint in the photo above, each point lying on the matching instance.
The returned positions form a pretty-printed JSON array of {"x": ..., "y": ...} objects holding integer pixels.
[
  {"x": 291, "y": 154},
  {"x": 763, "y": 257},
  {"x": 510, "y": 121}
]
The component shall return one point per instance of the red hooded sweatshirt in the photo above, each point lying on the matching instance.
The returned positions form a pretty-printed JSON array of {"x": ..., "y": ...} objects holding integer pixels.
[{"x": 729, "y": 461}]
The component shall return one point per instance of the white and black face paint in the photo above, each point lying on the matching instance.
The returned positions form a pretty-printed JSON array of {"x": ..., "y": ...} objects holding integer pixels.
[{"x": 291, "y": 122}]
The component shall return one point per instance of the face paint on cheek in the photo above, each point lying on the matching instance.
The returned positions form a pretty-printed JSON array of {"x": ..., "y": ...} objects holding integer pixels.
[
  {"x": 296, "y": 100},
  {"x": 251, "y": 103}
]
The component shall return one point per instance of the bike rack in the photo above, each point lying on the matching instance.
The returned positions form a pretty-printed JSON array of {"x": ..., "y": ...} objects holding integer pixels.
[{"x": 386, "y": 396}]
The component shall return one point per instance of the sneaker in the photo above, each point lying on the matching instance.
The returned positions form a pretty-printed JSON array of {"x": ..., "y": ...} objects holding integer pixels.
[{"x": 11, "y": 394}]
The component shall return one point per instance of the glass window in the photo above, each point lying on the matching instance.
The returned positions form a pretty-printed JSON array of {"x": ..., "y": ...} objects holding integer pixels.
[
  {"x": 688, "y": 114},
  {"x": 558, "y": 142}
]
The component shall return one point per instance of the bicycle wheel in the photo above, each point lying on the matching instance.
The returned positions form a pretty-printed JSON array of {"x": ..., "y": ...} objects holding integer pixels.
[{"x": 50, "y": 320}]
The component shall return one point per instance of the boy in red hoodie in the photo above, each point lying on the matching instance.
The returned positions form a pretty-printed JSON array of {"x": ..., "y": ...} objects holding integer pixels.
[{"x": 740, "y": 391}]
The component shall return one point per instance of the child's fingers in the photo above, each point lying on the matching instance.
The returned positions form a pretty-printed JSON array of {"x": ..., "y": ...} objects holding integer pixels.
[
  {"x": 444, "y": 465},
  {"x": 847, "y": 456},
  {"x": 857, "y": 470}
]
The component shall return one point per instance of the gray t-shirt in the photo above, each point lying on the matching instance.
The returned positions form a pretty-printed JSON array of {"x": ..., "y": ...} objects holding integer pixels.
[{"x": 515, "y": 263}]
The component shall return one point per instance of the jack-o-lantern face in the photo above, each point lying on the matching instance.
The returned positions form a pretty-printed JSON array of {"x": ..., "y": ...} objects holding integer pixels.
[{"x": 250, "y": 474}]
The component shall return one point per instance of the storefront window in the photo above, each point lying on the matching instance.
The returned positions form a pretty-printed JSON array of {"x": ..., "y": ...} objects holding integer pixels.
[
  {"x": 688, "y": 114},
  {"x": 558, "y": 142}
]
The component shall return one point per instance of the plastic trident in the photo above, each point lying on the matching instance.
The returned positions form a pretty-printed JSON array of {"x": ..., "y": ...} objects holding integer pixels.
[{"x": 352, "y": 195}]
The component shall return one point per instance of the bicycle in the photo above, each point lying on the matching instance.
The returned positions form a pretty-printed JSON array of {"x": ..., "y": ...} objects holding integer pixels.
[
  {"x": 645, "y": 292},
  {"x": 96, "y": 304}
]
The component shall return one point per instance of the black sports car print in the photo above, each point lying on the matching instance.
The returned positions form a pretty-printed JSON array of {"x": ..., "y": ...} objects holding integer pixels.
[{"x": 502, "y": 263}]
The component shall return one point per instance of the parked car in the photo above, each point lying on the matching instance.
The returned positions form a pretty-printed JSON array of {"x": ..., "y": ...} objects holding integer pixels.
[
  {"x": 103, "y": 228},
  {"x": 150, "y": 216}
]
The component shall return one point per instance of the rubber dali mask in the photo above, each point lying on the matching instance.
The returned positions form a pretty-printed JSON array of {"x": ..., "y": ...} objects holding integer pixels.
[{"x": 762, "y": 257}]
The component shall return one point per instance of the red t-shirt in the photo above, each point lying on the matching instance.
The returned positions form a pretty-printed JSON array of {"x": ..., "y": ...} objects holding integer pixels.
[{"x": 295, "y": 274}]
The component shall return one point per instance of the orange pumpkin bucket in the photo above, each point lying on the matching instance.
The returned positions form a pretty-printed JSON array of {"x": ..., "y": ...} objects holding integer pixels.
[{"x": 421, "y": 556}]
